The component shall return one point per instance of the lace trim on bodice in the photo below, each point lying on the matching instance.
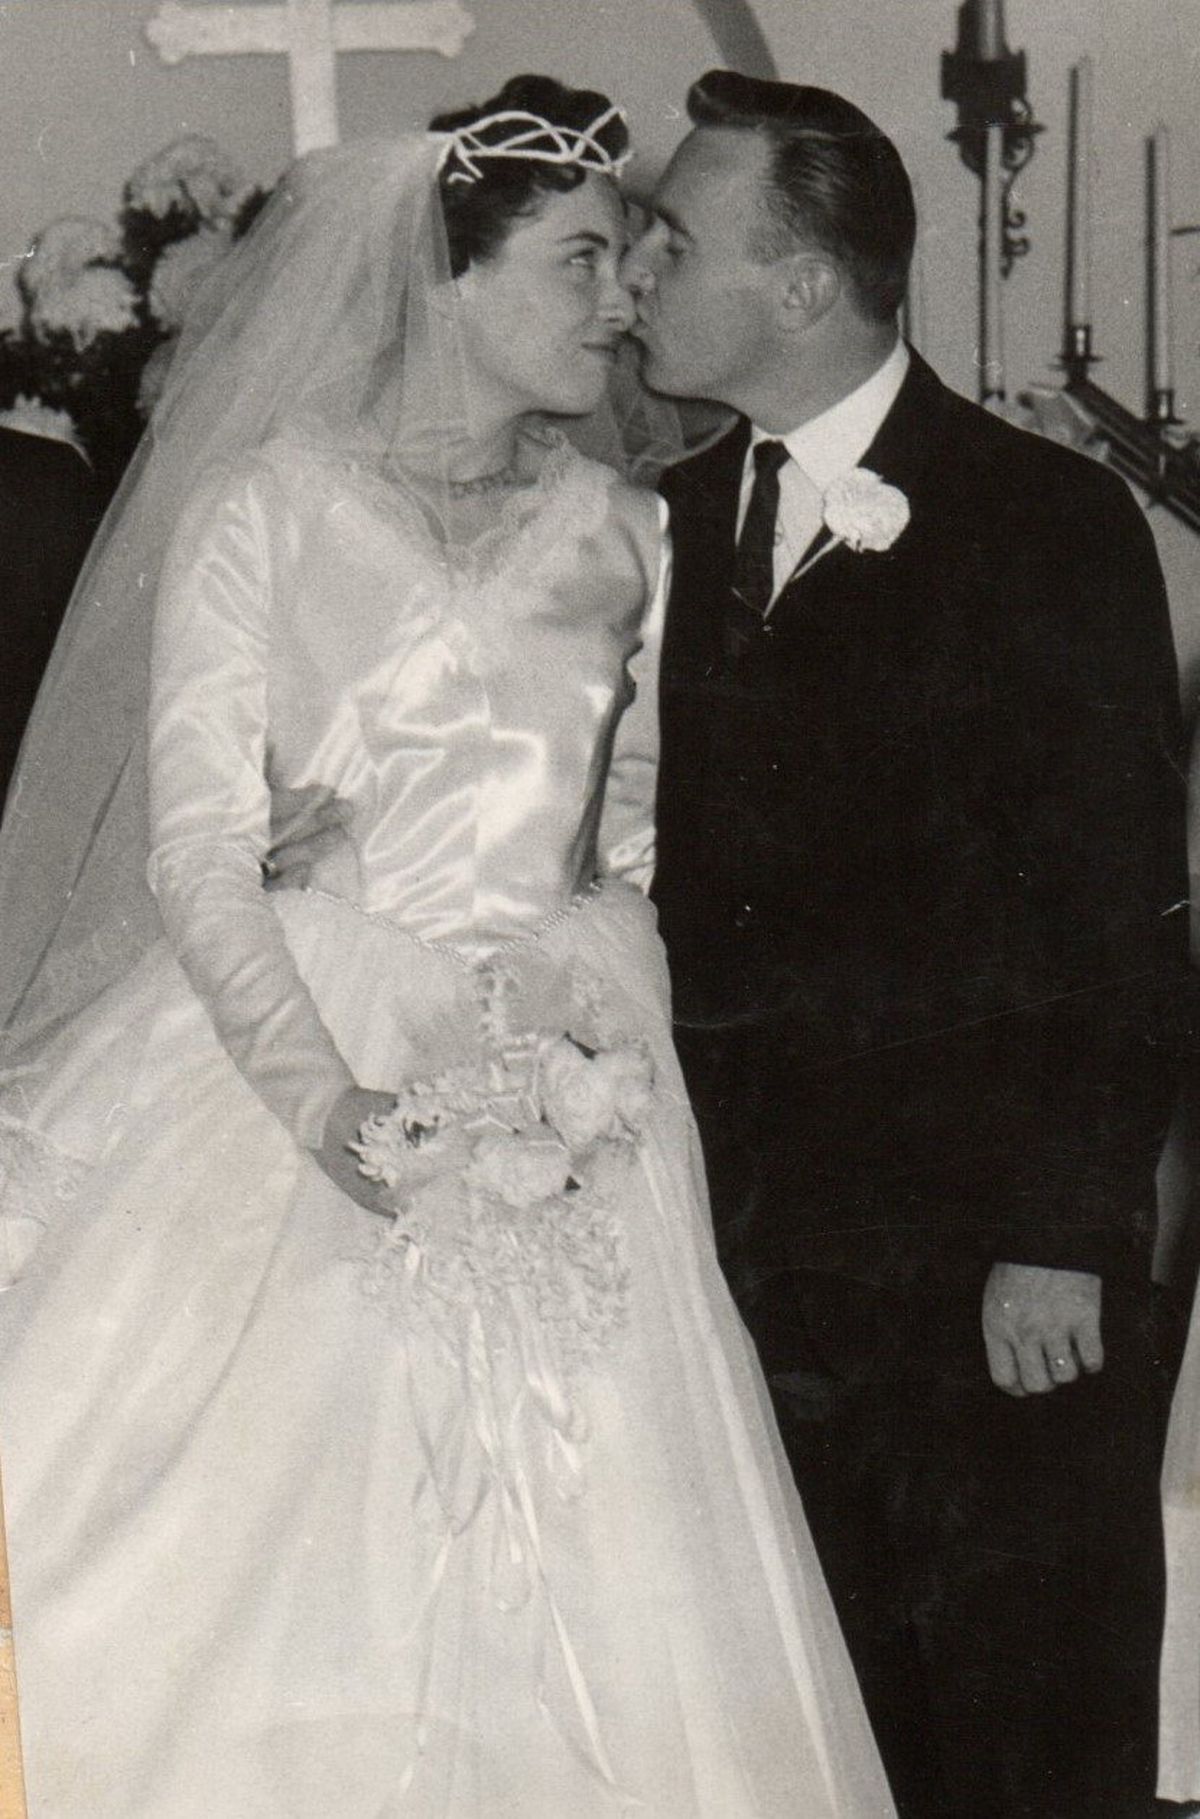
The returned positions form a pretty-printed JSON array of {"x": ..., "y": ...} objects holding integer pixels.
[{"x": 568, "y": 497}]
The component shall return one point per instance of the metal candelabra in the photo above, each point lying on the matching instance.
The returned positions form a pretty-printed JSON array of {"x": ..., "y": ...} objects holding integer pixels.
[{"x": 995, "y": 135}]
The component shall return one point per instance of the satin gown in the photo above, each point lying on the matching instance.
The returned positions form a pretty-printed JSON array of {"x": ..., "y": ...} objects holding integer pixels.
[{"x": 274, "y": 1555}]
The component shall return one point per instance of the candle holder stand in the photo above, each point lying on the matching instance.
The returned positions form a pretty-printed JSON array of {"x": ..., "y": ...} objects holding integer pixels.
[
  {"x": 989, "y": 91},
  {"x": 996, "y": 138},
  {"x": 1077, "y": 356},
  {"x": 1147, "y": 451},
  {"x": 1161, "y": 411}
]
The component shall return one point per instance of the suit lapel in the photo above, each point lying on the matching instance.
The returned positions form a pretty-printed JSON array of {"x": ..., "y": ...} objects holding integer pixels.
[
  {"x": 703, "y": 498},
  {"x": 908, "y": 435},
  {"x": 899, "y": 454},
  {"x": 815, "y": 552},
  {"x": 703, "y": 492}
]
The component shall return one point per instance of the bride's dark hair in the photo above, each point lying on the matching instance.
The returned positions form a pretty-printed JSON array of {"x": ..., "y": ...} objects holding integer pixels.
[{"x": 479, "y": 213}]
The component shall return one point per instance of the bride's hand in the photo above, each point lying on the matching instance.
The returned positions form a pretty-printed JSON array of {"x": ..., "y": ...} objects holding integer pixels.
[{"x": 346, "y": 1118}]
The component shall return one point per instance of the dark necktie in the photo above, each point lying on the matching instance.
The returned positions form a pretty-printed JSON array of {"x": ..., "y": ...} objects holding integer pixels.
[{"x": 754, "y": 569}]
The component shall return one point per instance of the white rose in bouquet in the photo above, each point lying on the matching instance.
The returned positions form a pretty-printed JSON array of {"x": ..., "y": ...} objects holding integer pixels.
[
  {"x": 519, "y": 1168},
  {"x": 588, "y": 1096}
]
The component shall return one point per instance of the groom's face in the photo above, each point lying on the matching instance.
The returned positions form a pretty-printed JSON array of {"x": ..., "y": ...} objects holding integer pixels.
[{"x": 705, "y": 299}]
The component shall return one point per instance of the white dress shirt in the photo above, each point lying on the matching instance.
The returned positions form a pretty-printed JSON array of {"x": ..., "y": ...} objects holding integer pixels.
[{"x": 822, "y": 451}]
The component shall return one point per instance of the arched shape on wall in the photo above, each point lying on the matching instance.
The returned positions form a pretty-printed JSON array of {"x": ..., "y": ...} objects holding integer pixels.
[{"x": 739, "y": 37}]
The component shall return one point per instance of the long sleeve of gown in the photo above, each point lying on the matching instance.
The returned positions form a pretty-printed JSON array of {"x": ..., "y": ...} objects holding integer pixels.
[
  {"x": 210, "y": 806},
  {"x": 627, "y": 831}
]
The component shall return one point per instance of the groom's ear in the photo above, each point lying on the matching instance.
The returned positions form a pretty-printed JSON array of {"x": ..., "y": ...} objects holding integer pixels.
[{"x": 811, "y": 287}]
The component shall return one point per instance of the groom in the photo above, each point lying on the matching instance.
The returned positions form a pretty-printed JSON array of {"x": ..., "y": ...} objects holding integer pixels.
[{"x": 921, "y": 876}]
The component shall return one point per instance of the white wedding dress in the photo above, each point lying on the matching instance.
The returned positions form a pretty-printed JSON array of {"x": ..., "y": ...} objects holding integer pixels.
[{"x": 275, "y": 1552}]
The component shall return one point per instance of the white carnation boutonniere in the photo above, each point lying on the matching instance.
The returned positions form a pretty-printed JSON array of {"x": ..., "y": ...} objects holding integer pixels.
[{"x": 862, "y": 511}]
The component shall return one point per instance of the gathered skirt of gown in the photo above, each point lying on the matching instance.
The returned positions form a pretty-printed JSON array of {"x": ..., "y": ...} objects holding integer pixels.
[
  {"x": 274, "y": 1557},
  {"x": 1179, "y": 1674}
]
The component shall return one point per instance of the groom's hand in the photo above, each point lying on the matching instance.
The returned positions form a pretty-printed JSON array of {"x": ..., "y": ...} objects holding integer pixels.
[
  {"x": 305, "y": 824},
  {"x": 336, "y": 1159},
  {"x": 1040, "y": 1327}
]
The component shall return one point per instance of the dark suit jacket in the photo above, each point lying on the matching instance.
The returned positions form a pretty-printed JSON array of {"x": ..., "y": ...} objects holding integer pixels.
[
  {"x": 49, "y": 508},
  {"x": 921, "y": 857}
]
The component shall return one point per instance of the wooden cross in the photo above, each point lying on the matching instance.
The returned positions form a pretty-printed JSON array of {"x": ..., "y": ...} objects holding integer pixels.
[{"x": 311, "y": 34}]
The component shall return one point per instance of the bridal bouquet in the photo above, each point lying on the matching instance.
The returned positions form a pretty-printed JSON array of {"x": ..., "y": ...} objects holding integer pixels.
[{"x": 500, "y": 1175}]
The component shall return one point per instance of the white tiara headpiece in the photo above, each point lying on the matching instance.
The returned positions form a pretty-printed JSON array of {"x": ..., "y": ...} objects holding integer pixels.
[{"x": 533, "y": 138}]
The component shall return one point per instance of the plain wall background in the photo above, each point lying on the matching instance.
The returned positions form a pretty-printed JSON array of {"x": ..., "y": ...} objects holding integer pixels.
[{"x": 83, "y": 97}]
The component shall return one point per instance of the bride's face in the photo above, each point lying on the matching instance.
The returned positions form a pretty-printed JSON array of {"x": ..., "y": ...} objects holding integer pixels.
[{"x": 542, "y": 317}]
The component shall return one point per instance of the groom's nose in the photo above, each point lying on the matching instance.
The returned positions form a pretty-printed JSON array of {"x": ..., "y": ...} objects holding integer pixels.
[{"x": 636, "y": 274}]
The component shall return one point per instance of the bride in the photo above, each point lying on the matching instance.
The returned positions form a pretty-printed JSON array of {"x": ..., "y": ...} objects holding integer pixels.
[{"x": 378, "y": 1434}]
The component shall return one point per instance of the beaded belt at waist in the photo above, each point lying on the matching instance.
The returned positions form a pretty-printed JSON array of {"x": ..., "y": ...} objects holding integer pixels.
[{"x": 483, "y": 950}]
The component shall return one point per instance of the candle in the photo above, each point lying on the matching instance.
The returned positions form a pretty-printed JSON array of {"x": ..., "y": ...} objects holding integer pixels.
[
  {"x": 913, "y": 317},
  {"x": 1079, "y": 197},
  {"x": 1159, "y": 262},
  {"x": 912, "y": 310},
  {"x": 991, "y": 321},
  {"x": 981, "y": 30}
]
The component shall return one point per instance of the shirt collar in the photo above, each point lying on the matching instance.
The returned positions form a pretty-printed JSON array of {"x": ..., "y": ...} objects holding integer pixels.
[{"x": 829, "y": 446}]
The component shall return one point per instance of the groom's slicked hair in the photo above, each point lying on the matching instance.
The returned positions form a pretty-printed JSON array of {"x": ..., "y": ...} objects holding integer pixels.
[{"x": 835, "y": 180}]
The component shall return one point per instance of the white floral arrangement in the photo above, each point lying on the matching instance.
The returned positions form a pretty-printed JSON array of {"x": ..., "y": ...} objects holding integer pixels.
[
  {"x": 103, "y": 302},
  {"x": 181, "y": 269},
  {"x": 153, "y": 377},
  {"x": 192, "y": 175},
  {"x": 64, "y": 249},
  {"x": 37, "y": 419},
  {"x": 95, "y": 301},
  {"x": 72, "y": 284},
  {"x": 500, "y": 1177},
  {"x": 862, "y": 511},
  {"x": 1055, "y": 413}
]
